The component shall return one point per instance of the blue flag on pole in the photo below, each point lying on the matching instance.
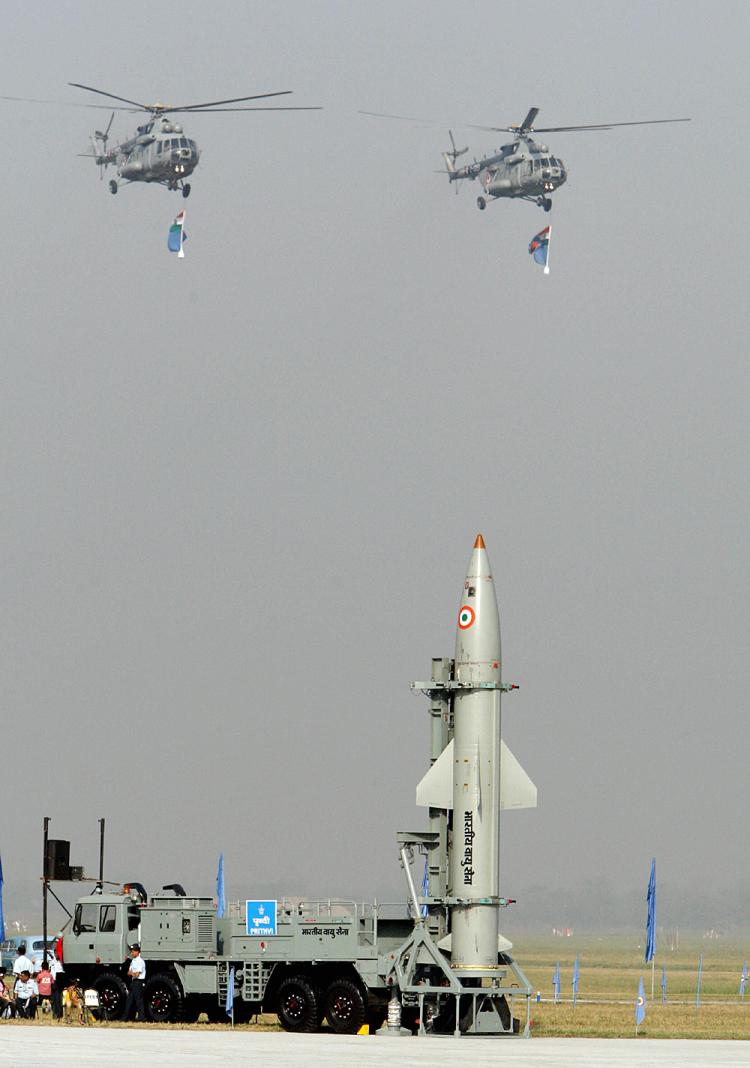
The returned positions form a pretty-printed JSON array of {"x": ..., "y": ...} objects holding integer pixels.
[
  {"x": 663, "y": 984},
  {"x": 221, "y": 900},
  {"x": 556, "y": 981},
  {"x": 230, "y": 995},
  {"x": 651, "y": 916},
  {"x": 575, "y": 980},
  {"x": 743, "y": 977},
  {"x": 2, "y": 917},
  {"x": 698, "y": 988},
  {"x": 640, "y": 1005}
]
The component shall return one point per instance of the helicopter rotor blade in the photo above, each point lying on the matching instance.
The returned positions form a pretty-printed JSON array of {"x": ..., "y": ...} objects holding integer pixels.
[
  {"x": 605, "y": 126},
  {"x": 122, "y": 99},
  {"x": 66, "y": 103},
  {"x": 529, "y": 120},
  {"x": 218, "y": 103},
  {"x": 103, "y": 135},
  {"x": 211, "y": 111}
]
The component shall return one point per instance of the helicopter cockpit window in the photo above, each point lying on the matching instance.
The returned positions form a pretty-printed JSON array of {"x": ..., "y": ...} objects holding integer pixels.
[{"x": 183, "y": 142}]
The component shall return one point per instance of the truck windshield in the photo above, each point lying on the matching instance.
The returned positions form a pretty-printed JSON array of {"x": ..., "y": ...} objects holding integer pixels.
[{"x": 85, "y": 918}]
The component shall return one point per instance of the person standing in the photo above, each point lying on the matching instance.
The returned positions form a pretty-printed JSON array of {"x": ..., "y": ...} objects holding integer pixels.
[
  {"x": 45, "y": 985},
  {"x": 137, "y": 977},
  {"x": 59, "y": 985},
  {"x": 27, "y": 995},
  {"x": 22, "y": 962}
]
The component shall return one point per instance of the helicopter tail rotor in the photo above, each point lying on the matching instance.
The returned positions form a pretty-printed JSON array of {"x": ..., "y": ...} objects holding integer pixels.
[
  {"x": 450, "y": 158},
  {"x": 104, "y": 136},
  {"x": 99, "y": 141},
  {"x": 452, "y": 154}
]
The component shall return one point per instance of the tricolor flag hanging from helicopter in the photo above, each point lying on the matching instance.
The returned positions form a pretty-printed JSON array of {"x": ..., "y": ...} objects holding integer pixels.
[
  {"x": 177, "y": 235},
  {"x": 539, "y": 247}
]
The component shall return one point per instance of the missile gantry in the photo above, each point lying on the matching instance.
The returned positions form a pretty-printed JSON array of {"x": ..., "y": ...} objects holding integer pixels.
[{"x": 456, "y": 965}]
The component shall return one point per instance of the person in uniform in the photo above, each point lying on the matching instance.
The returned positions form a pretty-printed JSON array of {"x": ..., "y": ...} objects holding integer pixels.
[
  {"x": 27, "y": 995},
  {"x": 137, "y": 977}
]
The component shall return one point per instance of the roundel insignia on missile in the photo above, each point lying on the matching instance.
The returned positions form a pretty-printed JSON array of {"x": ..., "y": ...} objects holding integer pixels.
[{"x": 466, "y": 617}]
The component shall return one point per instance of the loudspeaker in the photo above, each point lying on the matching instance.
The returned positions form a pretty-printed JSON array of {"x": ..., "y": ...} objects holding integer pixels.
[{"x": 57, "y": 861}]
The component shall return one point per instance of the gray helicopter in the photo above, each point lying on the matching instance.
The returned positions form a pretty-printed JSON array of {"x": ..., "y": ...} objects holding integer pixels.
[
  {"x": 522, "y": 170},
  {"x": 159, "y": 151}
]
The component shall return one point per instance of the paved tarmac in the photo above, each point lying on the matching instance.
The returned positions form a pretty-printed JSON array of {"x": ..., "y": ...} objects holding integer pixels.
[{"x": 98, "y": 1048}]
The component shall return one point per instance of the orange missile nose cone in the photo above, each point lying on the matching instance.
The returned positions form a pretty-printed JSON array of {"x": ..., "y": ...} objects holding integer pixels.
[{"x": 479, "y": 543}]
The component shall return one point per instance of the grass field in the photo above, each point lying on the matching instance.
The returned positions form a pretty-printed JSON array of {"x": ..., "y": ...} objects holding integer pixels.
[{"x": 609, "y": 970}]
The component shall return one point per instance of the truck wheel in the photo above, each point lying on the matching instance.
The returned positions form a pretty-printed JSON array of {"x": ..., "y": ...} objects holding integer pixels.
[
  {"x": 298, "y": 1005},
  {"x": 112, "y": 996},
  {"x": 163, "y": 999},
  {"x": 344, "y": 1007}
]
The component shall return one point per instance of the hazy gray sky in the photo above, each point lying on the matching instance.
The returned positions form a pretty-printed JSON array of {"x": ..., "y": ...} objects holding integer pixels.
[{"x": 240, "y": 490}]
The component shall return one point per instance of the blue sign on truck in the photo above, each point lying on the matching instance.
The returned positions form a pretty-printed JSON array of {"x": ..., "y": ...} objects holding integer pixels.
[{"x": 261, "y": 917}]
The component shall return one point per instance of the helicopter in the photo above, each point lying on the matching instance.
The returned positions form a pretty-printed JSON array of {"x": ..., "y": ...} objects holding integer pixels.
[
  {"x": 159, "y": 151},
  {"x": 521, "y": 170}
]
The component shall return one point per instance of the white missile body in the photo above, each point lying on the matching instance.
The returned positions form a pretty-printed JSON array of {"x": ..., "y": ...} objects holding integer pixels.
[{"x": 476, "y": 774}]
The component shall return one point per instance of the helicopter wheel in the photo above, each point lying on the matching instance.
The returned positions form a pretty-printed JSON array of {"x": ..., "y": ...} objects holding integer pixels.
[
  {"x": 547, "y": 204},
  {"x": 186, "y": 189},
  {"x": 112, "y": 186},
  {"x": 481, "y": 203}
]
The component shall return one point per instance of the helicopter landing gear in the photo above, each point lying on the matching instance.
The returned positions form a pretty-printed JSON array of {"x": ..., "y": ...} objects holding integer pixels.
[
  {"x": 481, "y": 203},
  {"x": 186, "y": 189},
  {"x": 112, "y": 186},
  {"x": 544, "y": 202}
]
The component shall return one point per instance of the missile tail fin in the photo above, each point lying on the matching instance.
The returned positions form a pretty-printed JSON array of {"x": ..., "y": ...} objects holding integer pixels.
[{"x": 435, "y": 790}]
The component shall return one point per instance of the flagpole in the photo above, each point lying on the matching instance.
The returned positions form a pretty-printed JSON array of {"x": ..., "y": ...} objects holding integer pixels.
[
  {"x": 653, "y": 962},
  {"x": 181, "y": 256},
  {"x": 549, "y": 242}
]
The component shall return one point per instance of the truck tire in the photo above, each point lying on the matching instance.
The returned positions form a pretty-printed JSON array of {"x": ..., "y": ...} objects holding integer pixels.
[
  {"x": 344, "y": 1007},
  {"x": 163, "y": 999},
  {"x": 297, "y": 1002},
  {"x": 112, "y": 996}
]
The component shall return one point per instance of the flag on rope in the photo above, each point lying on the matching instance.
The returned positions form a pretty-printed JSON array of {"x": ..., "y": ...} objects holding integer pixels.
[
  {"x": 651, "y": 913},
  {"x": 640, "y": 1005},
  {"x": 575, "y": 980},
  {"x": 539, "y": 247},
  {"x": 743, "y": 977},
  {"x": 556, "y": 981},
  {"x": 663, "y": 984},
  {"x": 221, "y": 898},
  {"x": 177, "y": 235}
]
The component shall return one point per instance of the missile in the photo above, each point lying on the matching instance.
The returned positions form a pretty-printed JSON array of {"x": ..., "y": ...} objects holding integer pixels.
[
  {"x": 476, "y": 774},
  {"x": 475, "y": 874}
]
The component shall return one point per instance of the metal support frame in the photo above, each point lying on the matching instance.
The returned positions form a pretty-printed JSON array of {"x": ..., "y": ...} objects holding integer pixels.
[{"x": 419, "y": 969}]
